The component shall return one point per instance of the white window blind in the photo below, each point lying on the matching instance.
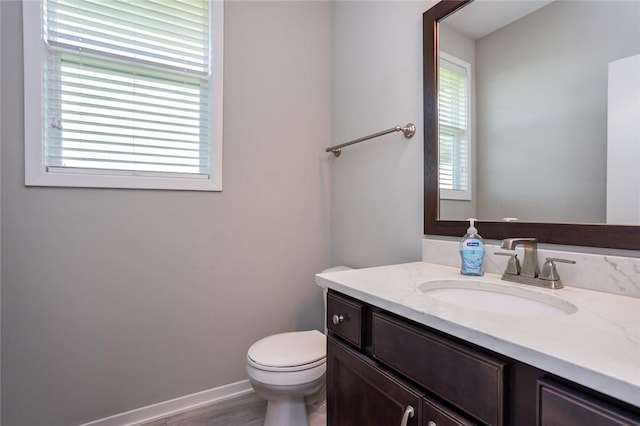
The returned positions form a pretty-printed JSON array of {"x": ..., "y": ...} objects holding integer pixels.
[
  {"x": 453, "y": 119},
  {"x": 123, "y": 94},
  {"x": 127, "y": 85}
]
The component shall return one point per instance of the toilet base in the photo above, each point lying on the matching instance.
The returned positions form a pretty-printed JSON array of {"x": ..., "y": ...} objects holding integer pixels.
[
  {"x": 290, "y": 412},
  {"x": 286, "y": 405}
]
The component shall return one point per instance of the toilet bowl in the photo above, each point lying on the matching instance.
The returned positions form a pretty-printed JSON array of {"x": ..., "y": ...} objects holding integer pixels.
[{"x": 284, "y": 369}]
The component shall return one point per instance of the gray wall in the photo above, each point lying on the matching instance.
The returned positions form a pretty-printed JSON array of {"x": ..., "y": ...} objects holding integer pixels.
[
  {"x": 115, "y": 299},
  {"x": 376, "y": 186},
  {"x": 562, "y": 124}
]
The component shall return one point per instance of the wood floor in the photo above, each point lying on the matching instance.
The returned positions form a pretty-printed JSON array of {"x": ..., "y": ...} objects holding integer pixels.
[{"x": 247, "y": 410}]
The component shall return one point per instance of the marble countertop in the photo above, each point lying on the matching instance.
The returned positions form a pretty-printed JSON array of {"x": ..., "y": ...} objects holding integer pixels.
[{"x": 598, "y": 346}]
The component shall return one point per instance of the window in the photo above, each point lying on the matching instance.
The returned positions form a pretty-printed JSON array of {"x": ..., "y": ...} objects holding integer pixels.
[
  {"x": 454, "y": 135},
  {"x": 124, "y": 94}
]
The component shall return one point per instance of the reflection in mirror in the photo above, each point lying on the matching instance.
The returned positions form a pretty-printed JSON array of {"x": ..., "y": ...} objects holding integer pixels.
[
  {"x": 565, "y": 233},
  {"x": 535, "y": 97}
]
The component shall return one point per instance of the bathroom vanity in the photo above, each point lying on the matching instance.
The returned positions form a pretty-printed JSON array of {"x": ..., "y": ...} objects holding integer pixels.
[{"x": 399, "y": 354}]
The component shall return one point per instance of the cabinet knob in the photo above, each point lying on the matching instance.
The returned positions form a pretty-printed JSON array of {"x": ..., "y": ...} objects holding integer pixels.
[
  {"x": 337, "y": 319},
  {"x": 431, "y": 423},
  {"x": 408, "y": 413}
]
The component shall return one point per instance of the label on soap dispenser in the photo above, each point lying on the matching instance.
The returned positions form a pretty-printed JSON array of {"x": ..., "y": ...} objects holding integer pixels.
[{"x": 472, "y": 254}]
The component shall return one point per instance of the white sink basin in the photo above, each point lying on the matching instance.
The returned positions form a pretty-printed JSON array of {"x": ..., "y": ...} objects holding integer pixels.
[{"x": 498, "y": 298}]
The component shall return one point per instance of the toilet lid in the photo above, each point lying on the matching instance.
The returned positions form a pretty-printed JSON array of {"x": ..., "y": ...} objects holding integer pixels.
[{"x": 289, "y": 349}]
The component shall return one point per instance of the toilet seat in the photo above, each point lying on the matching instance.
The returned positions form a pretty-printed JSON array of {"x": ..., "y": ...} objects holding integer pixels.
[
  {"x": 289, "y": 369},
  {"x": 289, "y": 352}
]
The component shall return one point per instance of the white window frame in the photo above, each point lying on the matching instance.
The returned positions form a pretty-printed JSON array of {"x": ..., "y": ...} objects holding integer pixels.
[
  {"x": 467, "y": 195},
  {"x": 37, "y": 173}
]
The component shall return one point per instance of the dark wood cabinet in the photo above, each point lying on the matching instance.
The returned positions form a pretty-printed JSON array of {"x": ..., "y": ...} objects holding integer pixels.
[
  {"x": 435, "y": 414},
  {"x": 471, "y": 380},
  {"x": 561, "y": 405},
  {"x": 379, "y": 364},
  {"x": 361, "y": 393},
  {"x": 344, "y": 318}
]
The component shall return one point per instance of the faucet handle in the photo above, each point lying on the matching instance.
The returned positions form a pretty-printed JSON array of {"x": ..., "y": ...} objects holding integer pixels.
[
  {"x": 550, "y": 273},
  {"x": 513, "y": 265}
]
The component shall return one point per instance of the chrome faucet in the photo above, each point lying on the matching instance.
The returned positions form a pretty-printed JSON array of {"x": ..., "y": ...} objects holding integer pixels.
[
  {"x": 529, "y": 272},
  {"x": 530, "y": 266}
]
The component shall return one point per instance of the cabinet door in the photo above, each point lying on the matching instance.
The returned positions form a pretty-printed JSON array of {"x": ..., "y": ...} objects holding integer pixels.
[
  {"x": 360, "y": 393},
  {"x": 470, "y": 380},
  {"x": 435, "y": 414},
  {"x": 559, "y": 405}
]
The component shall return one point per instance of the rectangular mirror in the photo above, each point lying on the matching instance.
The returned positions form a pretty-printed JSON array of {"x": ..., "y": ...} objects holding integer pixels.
[{"x": 524, "y": 123}]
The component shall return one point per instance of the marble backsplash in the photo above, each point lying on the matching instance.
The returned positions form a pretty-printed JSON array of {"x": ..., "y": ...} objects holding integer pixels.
[{"x": 616, "y": 274}]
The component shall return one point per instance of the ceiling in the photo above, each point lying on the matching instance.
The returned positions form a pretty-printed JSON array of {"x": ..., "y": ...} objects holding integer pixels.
[{"x": 482, "y": 17}]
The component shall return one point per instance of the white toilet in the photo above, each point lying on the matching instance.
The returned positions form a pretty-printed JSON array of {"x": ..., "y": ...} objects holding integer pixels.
[{"x": 284, "y": 369}]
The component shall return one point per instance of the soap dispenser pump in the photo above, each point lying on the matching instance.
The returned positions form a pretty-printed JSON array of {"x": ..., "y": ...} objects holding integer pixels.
[{"x": 472, "y": 252}]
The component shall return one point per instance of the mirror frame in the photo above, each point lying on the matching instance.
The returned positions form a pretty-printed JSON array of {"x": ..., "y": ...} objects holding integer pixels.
[{"x": 592, "y": 235}]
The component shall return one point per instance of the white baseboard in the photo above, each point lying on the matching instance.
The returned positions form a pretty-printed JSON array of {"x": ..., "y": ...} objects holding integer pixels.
[{"x": 174, "y": 406}]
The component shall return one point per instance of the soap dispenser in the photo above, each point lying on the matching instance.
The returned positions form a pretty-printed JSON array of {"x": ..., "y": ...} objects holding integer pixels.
[{"x": 472, "y": 252}]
